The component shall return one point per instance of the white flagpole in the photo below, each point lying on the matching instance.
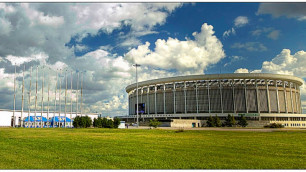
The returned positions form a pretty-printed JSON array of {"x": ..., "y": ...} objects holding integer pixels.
[
  {"x": 36, "y": 97},
  {"x": 77, "y": 92},
  {"x": 29, "y": 104},
  {"x": 71, "y": 102},
  {"x": 55, "y": 100},
  {"x": 14, "y": 97},
  {"x": 42, "y": 98},
  {"x": 82, "y": 96},
  {"x": 60, "y": 105},
  {"x": 21, "y": 120},
  {"x": 65, "y": 99},
  {"x": 48, "y": 78}
]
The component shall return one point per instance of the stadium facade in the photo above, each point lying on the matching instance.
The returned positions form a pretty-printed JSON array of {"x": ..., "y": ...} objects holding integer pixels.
[{"x": 265, "y": 98}]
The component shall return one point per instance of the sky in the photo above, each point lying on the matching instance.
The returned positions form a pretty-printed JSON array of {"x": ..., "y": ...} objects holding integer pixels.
[{"x": 101, "y": 42}]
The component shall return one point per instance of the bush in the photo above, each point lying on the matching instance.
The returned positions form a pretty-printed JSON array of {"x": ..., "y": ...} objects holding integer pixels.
[
  {"x": 242, "y": 121},
  {"x": 154, "y": 123},
  {"x": 116, "y": 122},
  {"x": 106, "y": 123},
  {"x": 82, "y": 122},
  {"x": 274, "y": 125},
  {"x": 217, "y": 121},
  {"x": 210, "y": 122},
  {"x": 230, "y": 121}
]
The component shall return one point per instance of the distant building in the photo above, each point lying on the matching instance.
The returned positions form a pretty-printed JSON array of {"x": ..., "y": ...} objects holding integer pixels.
[
  {"x": 261, "y": 98},
  {"x": 6, "y": 118}
]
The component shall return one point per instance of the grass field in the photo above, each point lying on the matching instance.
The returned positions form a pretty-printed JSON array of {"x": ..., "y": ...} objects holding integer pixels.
[{"x": 150, "y": 149}]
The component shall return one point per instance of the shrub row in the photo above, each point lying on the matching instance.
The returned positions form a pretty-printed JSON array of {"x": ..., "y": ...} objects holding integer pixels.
[
  {"x": 229, "y": 121},
  {"x": 82, "y": 122},
  {"x": 274, "y": 125},
  {"x": 106, "y": 123}
]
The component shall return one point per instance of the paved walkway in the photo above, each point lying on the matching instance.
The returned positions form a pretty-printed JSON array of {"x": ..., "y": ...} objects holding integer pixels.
[{"x": 223, "y": 129}]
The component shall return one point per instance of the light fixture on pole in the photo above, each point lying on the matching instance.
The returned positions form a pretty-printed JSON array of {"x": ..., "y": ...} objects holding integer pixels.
[{"x": 137, "y": 65}]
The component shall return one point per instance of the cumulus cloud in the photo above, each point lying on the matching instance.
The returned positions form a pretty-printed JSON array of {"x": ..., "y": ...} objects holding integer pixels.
[
  {"x": 241, "y": 70},
  {"x": 38, "y": 33},
  {"x": 290, "y": 10},
  {"x": 189, "y": 56},
  {"x": 240, "y": 21},
  {"x": 250, "y": 46}
]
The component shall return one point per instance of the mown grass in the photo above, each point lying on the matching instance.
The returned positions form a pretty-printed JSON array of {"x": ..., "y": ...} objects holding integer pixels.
[{"x": 150, "y": 149}]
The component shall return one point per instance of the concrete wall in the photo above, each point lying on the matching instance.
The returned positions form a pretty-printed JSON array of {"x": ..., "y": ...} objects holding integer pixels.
[{"x": 185, "y": 123}]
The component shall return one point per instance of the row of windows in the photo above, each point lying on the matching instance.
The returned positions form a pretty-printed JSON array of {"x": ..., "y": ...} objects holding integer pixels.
[{"x": 295, "y": 125}]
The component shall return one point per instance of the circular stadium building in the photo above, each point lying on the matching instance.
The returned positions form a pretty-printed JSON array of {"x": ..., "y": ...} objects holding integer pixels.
[{"x": 262, "y": 98}]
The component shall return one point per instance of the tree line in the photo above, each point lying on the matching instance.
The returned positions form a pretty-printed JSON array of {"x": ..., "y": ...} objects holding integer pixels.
[
  {"x": 229, "y": 121},
  {"x": 86, "y": 122}
]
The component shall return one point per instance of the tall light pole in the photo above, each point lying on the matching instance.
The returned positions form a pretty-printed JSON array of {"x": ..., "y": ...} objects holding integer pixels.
[
  {"x": 14, "y": 97},
  {"x": 137, "y": 65},
  {"x": 42, "y": 98},
  {"x": 29, "y": 105},
  {"x": 55, "y": 100},
  {"x": 22, "y": 98}
]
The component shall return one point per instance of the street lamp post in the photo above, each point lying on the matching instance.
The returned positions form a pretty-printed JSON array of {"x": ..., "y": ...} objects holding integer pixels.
[{"x": 137, "y": 65}]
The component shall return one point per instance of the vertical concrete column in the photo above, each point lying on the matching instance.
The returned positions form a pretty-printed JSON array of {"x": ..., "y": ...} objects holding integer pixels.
[
  {"x": 174, "y": 107},
  {"x": 164, "y": 98},
  {"x": 245, "y": 97},
  {"x": 208, "y": 95},
  {"x": 268, "y": 96},
  {"x": 141, "y": 91},
  {"x": 257, "y": 97},
  {"x": 233, "y": 89},
  {"x": 296, "y": 100},
  {"x": 185, "y": 97},
  {"x": 197, "y": 99},
  {"x": 148, "y": 100},
  {"x": 155, "y": 107},
  {"x": 300, "y": 102},
  {"x": 290, "y": 85},
  {"x": 221, "y": 101},
  {"x": 286, "y": 105},
  {"x": 276, "y": 89}
]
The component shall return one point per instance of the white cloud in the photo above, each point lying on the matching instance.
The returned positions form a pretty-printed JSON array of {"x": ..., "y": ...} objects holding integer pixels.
[
  {"x": 15, "y": 60},
  {"x": 242, "y": 70},
  {"x": 190, "y": 56},
  {"x": 274, "y": 34},
  {"x": 241, "y": 21},
  {"x": 250, "y": 46}
]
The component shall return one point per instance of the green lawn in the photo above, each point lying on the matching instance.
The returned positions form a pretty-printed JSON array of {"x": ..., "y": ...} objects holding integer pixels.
[{"x": 150, "y": 149}]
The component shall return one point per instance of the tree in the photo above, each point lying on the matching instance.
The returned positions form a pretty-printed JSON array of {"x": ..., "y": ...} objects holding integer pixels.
[
  {"x": 104, "y": 122},
  {"x": 76, "y": 122},
  {"x": 210, "y": 122},
  {"x": 154, "y": 123},
  {"x": 82, "y": 122},
  {"x": 116, "y": 122},
  {"x": 230, "y": 121},
  {"x": 242, "y": 121},
  {"x": 217, "y": 121},
  {"x": 109, "y": 123}
]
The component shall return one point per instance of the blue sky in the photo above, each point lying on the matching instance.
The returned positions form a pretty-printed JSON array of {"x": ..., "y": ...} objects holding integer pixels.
[{"x": 103, "y": 40}]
